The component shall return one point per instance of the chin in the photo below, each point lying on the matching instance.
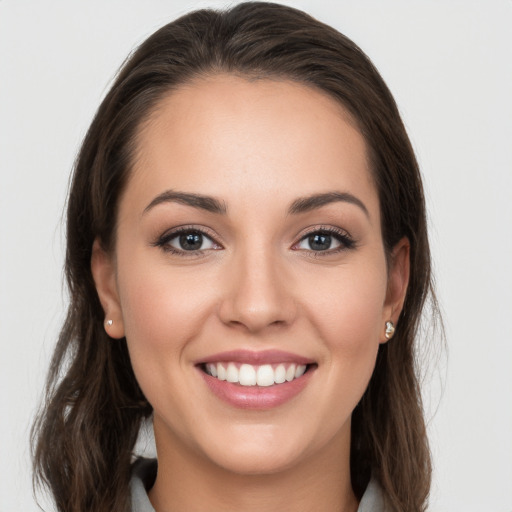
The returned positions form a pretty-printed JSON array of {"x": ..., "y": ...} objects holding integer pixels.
[
  {"x": 258, "y": 462},
  {"x": 259, "y": 450}
]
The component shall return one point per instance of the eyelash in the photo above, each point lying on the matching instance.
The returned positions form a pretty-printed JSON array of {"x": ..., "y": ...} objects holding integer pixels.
[
  {"x": 345, "y": 240},
  {"x": 164, "y": 241}
]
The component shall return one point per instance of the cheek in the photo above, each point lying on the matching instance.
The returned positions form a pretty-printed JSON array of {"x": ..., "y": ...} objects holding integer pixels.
[
  {"x": 152, "y": 294},
  {"x": 348, "y": 309},
  {"x": 347, "y": 316},
  {"x": 162, "y": 310}
]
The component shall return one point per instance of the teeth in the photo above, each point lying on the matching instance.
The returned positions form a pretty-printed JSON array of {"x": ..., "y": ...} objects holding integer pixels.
[
  {"x": 249, "y": 375},
  {"x": 211, "y": 369},
  {"x": 221, "y": 372},
  {"x": 301, "y": 368},
  {"x": 232, "y": 374},
  {"x": 290, "y": 373},
  {"x": 265, "y": 375},
  {"x": 280, "y": 374}
]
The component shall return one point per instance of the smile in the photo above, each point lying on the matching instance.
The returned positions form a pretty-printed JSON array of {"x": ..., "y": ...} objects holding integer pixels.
[
  {"x": 255, "y": 375},
  {"x": 256, "y": 380}
]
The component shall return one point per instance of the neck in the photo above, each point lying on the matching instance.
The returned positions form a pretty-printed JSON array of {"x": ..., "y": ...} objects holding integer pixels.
[{"x": 187, "y": 481}]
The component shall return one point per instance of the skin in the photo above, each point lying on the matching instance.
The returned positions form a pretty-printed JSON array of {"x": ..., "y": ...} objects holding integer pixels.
[{"x": 255, "y": 146}]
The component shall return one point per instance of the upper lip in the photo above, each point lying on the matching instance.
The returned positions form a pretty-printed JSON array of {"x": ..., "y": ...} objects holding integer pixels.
[{"x": 259, "y": 357}]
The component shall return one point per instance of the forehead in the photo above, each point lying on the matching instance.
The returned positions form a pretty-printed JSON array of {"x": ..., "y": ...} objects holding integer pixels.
[{"x": 225, "y": 133}]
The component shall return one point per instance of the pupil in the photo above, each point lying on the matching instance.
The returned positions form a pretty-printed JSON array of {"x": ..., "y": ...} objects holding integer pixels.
[
  {"x": 191, "y": 241},
  {"x": 320, "y": 242}
]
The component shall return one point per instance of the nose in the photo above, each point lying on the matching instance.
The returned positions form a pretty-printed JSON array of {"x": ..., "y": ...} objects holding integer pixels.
[{"x": 258, "y": 293}]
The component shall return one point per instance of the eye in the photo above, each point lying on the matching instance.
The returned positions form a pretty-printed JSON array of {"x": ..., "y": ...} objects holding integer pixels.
[
  {"x": 319, "y": 242},
  {"x": 191, "y": 241},
  {"x": 186, "y": 240},
  {"x": 325, "y": 240}
]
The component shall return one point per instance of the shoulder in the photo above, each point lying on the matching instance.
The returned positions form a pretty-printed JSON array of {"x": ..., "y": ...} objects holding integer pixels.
[
  {"x": 373, "y": 499},
  {"x": 143, "y": 478}
]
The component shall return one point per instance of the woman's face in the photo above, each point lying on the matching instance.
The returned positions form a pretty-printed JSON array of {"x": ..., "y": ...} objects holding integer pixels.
[{"x": 249, "y": 249}]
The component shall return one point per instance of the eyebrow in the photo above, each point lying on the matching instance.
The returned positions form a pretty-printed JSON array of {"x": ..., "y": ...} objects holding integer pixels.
[
  {"x": 306, "y": 204},
  {"x": 207, "y": 203},
  {"x": 213, "y": 205}
]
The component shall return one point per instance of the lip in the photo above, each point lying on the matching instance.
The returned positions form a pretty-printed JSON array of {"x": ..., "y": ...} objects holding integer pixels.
[
  {"x": 256, "y": 397},
  {"x": 256, "y": 357}
]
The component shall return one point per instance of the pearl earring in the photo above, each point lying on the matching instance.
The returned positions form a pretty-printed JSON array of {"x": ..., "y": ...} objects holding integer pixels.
[
  {"x": 390, "y": 329},
  {"x": 109, "y": 323}
]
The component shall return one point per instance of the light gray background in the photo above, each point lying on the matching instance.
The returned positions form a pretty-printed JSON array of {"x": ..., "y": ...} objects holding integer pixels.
[{"x": 449, "y": 64}]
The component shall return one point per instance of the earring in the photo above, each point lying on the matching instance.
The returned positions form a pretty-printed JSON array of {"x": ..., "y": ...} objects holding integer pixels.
[
  {"x": 390, "y": 329},
  {"x": 109, "y": 323}
]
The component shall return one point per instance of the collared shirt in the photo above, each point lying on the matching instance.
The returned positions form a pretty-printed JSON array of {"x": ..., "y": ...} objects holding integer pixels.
[{"x": 144, "y": 474}]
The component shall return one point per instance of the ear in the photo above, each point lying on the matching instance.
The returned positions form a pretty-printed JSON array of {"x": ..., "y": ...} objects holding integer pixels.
[
  {"x": 104, "y": 275},
  {"x": 398, "y": 280}
]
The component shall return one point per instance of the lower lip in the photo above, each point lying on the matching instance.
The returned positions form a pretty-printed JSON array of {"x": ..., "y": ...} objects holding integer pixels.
[{"x": 256, "y": 397}]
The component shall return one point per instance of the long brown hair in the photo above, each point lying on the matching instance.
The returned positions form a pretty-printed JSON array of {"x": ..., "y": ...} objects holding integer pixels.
[{"x": 84, "y": 437}]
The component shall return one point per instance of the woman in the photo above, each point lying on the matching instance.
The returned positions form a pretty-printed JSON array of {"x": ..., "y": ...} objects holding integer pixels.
[{"x": 248, "y": 260}]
